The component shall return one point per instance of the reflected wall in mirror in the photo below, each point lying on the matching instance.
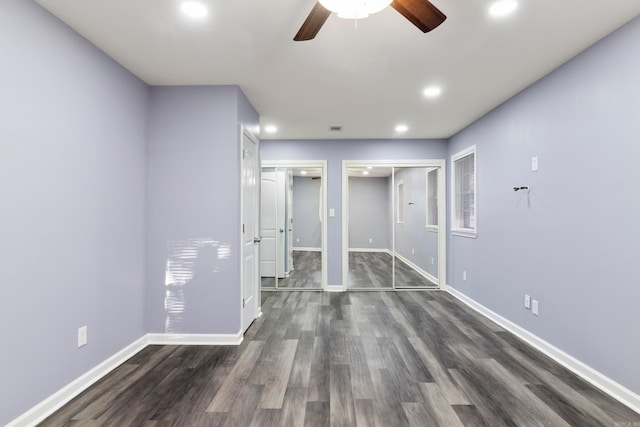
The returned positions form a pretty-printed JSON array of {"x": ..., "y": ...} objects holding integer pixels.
[
  {"x": 370, "y": 235},
  {"x": 392, "y": 220},
  {"x": 416, "y": 243},
  {"x": 292, "y": 208}
]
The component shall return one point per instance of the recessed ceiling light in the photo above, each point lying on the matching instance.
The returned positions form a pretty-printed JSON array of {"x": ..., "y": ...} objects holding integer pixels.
[
  {"x": 402, "y": 128},
  {"x": 271, "y": 129},
  {"x": 303, "y": 172},
  {"x": 194, "y": 9},
  {"x": 369, "y": 167},
  {"x": 432, "y": 92},
  {"x": 365, "y": 172},
  {"x": 503, "y": 7}
]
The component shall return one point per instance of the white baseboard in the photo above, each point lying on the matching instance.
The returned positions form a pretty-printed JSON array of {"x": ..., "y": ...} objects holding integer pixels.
[
  {"x": 195, "y": 339},
  {"x": 54, "y": 402},
  {"x": 302, "y": 248},
  {"x": 384, "y": 250},
  {"x": 419, "y": 270},
  {"x": 334, "y": 288},
  {"x": 597, "y": 379},
  {"x": 48, "y": 406}
]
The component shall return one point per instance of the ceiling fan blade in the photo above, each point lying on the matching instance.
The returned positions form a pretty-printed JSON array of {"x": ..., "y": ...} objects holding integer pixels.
[
  {"x": 313, "y": 23},
  {"x": 421, "y": 13}
]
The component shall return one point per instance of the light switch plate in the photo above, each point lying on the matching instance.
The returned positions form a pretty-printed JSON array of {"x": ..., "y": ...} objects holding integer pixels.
[
  {"x": 534, "y": 163},
  {"x": 332, "y": 212}
]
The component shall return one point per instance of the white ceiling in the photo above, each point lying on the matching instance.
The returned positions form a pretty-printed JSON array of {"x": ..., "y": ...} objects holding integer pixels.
[{"x": 366, "y": 79}]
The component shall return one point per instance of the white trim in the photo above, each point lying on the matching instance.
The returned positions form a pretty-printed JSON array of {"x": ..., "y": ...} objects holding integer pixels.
[
  {"x": 431, "y": 227},
  {"x": 54, "y": 402},
  {"x": 418, "y": 270},
  {"x": 595, "y": 378},
  {"x": 195, "y": 339},
  {"x": 306, "y": 249},
  {"x": 399, "y": 205},
  {"x": 385, "y": 250},
  {"x": 458, "y": 231},
  {"x": 335, "y": 288}
]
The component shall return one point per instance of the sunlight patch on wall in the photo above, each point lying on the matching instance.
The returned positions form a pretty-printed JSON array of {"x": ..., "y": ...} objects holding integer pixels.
[{"x": 190, "y": 267}]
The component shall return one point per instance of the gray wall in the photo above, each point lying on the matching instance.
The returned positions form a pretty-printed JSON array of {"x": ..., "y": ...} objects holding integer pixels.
[
  {"x": 72, "y": 175},
  {"x": 573, "y": 242},
  {"x": 369, "y": 201},
  {"x": 194, "y": 208},
  {"x": 334, "y": 151},
  {"x": 414, "y": 241},
  {"x": 306, "y": 213}
]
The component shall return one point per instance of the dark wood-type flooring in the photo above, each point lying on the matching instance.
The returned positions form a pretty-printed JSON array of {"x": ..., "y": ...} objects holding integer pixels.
[
  {"x": 306, "y": 273},
  {"x": 410, "y": 358},
  {"x": 369, "y": 270}
]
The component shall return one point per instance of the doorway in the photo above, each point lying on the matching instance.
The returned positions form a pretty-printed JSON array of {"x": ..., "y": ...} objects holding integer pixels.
[
  {"x": 293, "y": 225},
  {"x": 393, "y": 224},
  {"x": 250, "y": 174}
]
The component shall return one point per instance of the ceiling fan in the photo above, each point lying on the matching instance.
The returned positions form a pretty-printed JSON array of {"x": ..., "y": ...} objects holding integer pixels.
[{"x": 420, "y": 13}]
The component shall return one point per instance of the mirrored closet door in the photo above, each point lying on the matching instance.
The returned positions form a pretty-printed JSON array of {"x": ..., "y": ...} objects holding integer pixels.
[
  {"x": 393, "y": 224},
  {"x": 292, "y": 226}
]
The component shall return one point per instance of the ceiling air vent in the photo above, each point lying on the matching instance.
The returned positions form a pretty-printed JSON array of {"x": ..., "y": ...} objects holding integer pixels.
[{"x": 335, "y": 128}]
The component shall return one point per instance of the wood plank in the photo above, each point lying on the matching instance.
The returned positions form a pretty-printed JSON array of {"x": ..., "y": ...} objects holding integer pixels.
[
  {"x": 276, "y": 384},
  {"x": 341, "y": 398},
  {"x": 227, "y": 395}
]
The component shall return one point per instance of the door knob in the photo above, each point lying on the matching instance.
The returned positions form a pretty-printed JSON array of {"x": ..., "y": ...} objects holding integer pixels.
[
  {"x": 257, "y": 239},
  {"x": 282, "y": 230}
]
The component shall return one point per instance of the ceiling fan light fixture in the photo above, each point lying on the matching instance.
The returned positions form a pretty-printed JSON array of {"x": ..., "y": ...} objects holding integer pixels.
[
  {"x": 194, "y": 9},
  {"x": 503, "y": 8},
  {"x": 432, "y": 92},
  {"x": 355, "y": 9}
]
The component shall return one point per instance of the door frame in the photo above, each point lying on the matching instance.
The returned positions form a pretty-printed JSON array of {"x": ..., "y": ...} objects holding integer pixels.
[
  {"x": 322, "y": 164},
  {"x": 442, "y": 218},
  {"x": 243, "y": 131}
]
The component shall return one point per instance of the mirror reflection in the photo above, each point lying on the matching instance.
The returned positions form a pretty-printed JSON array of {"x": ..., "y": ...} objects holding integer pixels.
[
  {"x": 291, "y": 228},
  {"x": 392, "y": 227},
  {"x": 415, "y": 233},
  {"x": 370, "y": 233}
]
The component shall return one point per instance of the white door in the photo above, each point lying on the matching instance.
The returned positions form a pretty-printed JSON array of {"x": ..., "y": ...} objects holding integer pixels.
[
  {"x": 272, "y": 224},
  {"x": 268, "y": 224},
  {"x": 289, "y": 222},
  {"x": 250, "y": 239}
]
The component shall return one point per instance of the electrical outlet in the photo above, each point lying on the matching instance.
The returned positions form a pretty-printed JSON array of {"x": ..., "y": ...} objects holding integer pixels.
[
  {"x": 82, "y": 336},
  {"x": 464, "y": 275},
  {"x": 370, "y": 240},
  {"x": 432, "y": 261},
  {"x": 413, "y": 251},
  {"x": 527, "y": 301},
  {"x": 297, "y": 240},
  {"x": 534, "y": 307}
]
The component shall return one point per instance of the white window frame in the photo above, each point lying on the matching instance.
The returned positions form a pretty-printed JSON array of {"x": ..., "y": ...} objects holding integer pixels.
[
  {"x": 429, "y": 188},
  {"x": 400, "y": 202},
  {"x": 455, "y": 229}
]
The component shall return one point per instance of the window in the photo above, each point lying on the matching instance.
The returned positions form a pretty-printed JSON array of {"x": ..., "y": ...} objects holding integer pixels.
[
  {"x": 432, "y": 198},
  {"x": 400, "y": 201},
  {"x": 463, "y": 185}
]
